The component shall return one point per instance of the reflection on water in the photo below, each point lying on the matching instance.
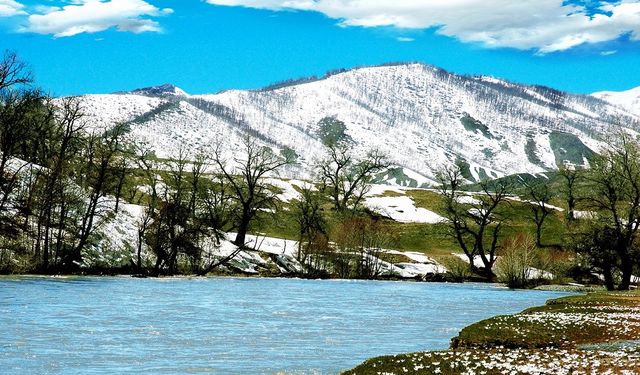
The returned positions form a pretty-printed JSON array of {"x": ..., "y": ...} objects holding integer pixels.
[{"x": 231, "y": 326}]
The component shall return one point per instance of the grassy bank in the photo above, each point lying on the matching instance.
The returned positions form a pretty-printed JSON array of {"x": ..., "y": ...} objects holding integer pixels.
[{"x": 598, "y": 333}]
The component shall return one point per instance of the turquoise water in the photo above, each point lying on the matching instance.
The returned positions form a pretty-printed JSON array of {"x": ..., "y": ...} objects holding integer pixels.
[{"x": 231, "y": 326}]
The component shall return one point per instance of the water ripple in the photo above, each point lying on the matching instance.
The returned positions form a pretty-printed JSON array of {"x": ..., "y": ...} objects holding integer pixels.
[{"x": 231, "y": 326}]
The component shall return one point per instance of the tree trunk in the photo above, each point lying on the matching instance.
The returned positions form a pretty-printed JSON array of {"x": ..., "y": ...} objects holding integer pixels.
[
  {"x": 608, "y": 278},
  {"x": 45, "y": 260},
  {"x": 472, "y": 265},
  {"x": 243, "y": 228},
  {"x": 119, "y": 191},
  {"x": 139, "y": 252},
  {"x": 539, "y": 234},
  {"x": 571, "y": 209},
  {"x": 627, "y": 270}
]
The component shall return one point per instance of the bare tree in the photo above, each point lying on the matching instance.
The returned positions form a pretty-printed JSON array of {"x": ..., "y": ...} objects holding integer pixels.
[
  {"x": 313, "y": 240},
  {"x": 539, "y": 195},
  {"x": 13, "y": 71},
  {"x": 215, "y": 212},
  {"x": 119, "y": 176},
  {"x": 475, "y": 225},
  {"x": 360, "y": 243},
  {"x": 20, "y": 106},
  {"x": 570, "y": 176},
  {"x": 345, "y": 178},
  {"x": 144, "y": 160},
  {"x": 514, "y": 267},
  {"x": 16, "y": 111},
  {"x": 65, "y": 141},
  {"x": 614, "y": 193},
  {"x": 102, "y": 152},
  {"x": 246, "y": 181}
]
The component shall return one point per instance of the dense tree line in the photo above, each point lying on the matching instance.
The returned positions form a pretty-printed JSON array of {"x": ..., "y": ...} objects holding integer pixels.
[{"x": 53, "y": 174}]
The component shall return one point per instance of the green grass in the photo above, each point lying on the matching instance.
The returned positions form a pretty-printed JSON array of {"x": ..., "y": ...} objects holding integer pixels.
[
  {"x": 544, "y": 336},
  {"x": 331, "y": 131},
  {"x": 472, "y": 125},
  {"x": 530, "y": 149},
  {"x": 428, "y": 199},
  {"x": 398, "y": 176},
  {"x": 148, "y": 116},
  {"x": 569, "y": 147},
  {"x": 430, "y": 239},
  {"x": 555, "y": 329}
]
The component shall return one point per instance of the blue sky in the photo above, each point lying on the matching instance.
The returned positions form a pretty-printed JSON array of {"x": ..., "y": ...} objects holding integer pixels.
[{"x": 100, "y": 46}]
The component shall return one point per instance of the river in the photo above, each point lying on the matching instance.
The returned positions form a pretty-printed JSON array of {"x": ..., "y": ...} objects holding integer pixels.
[{"x": 121, "y": 325}]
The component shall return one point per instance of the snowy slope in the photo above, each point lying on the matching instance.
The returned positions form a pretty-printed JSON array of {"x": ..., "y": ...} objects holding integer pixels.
[
  {"x": 629, "y": 100},
  {"x": 421, "y": 116}
]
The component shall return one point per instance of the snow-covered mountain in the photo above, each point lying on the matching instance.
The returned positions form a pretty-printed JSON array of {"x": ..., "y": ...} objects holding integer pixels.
[
  {"x": 421, "y": 116},
  {"x": 629, "y": 100}
]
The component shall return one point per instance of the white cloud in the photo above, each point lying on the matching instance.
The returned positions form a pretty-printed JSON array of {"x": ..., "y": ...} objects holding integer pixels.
[
  {"x": 9, "y": 8},
  {"x": 92, "y": 16},
  {"x": 542, "y": 25},
  {"x": 404, "y": 39}
]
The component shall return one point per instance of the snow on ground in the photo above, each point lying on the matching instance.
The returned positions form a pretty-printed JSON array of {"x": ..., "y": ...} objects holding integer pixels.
[
  {"x": 285, "y": 250},
  {"x": 414, "y": 256},
  {"x": 467, "y": 199},
  {"x": 550, "y": 206},
  {"x": 382, "y": 108},
  {"x": 244, "y": 261},
  {"x": 420, "y": 269},
  {"x": 423, "y": 265},
  {"x": 269, "y": 245},
  {"x": 535, "y": 273},
  {"x": 106, "y": 110},
  {"x": 477, "y": 260},
  {"x": 117, "y": 245},
  {"x": 402, "y": 209},
  {"x": 380, "y": 190},
  {"x": 119, "y": 237},
  {"x": 584, "y": 214},
  {"x": 288, "y": 188},
  {"x": 629, "y": 100}
]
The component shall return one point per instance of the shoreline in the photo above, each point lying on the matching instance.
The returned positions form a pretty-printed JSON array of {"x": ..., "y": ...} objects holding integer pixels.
[{"x": 590, "y": 334}]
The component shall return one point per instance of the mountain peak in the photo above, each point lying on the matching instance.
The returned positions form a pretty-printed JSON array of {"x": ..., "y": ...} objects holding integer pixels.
[
  {"x": 166, "y": 89},
  {"x": 629, "y": 100}
]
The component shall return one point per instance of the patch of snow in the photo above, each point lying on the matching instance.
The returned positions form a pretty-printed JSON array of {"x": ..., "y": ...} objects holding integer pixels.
[
  {"x": 477, "y": 260},
  {"x": 289, "y": 193},
  {"x": 467, "y": 199},
  {"x": 584, "y": 214},
  {"x": 380, "y": 190},
  {"x": 550, "y": 206},
  {"x": 403, "y": 210},
  {"x": 268, "y": 244}
]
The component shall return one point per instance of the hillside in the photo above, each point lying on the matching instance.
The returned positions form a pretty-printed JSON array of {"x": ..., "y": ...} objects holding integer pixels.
[
  {"x": 422, "y": 116},
  {"x": 629, "y": 100}
]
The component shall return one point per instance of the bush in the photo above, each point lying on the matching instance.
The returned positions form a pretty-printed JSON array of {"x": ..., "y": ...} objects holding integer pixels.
[
  {"x": 457, "y": 269},
  {"x": 514, "y": 266}
]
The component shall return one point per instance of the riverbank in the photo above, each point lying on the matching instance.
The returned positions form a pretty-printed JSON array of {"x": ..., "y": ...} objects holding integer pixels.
[{"x": 597, "y": 333}]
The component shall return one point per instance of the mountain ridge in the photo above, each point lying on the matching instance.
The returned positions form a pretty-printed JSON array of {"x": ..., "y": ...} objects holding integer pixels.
[{"x": 422, "y": 116}]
